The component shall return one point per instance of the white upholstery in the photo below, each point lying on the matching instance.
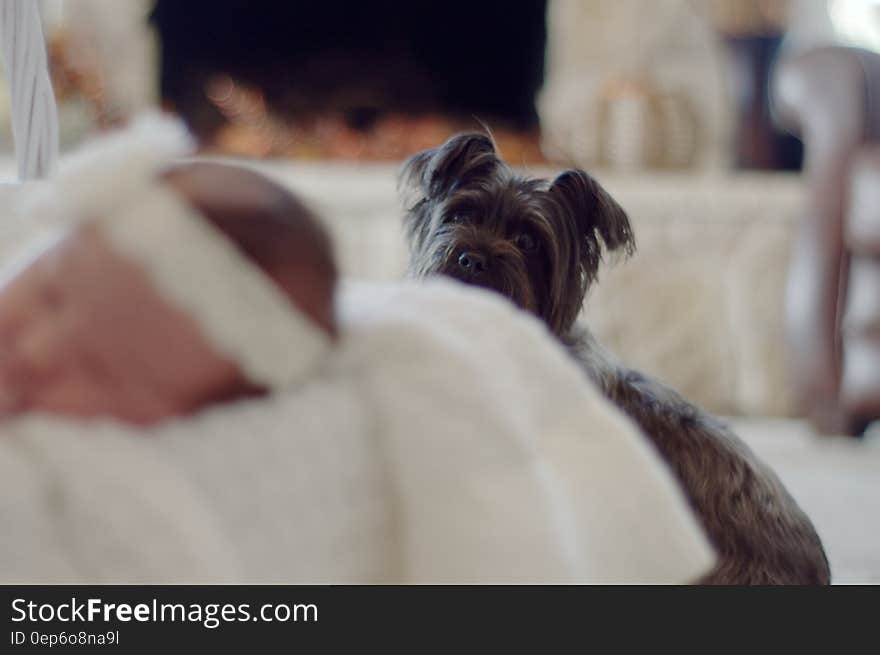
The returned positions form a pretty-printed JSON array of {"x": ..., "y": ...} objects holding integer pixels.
[
  {"x": 699, "y": 305},
  {"x": 423, "y": 453}
]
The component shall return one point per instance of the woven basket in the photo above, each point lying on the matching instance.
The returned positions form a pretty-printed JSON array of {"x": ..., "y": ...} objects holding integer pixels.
[{"x": 641, "y": 126}]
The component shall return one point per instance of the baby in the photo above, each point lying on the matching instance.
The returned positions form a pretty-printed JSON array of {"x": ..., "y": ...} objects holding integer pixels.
[{"x": 85, "y": 333}]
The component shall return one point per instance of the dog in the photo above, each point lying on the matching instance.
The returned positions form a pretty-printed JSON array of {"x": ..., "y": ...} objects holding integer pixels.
[{"x": 470, "y": 216}]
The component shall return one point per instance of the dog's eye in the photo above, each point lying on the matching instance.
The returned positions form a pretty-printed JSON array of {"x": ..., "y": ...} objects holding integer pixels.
[
  {"x": 526, "y": 242},
  {"x": 456, "y": 219}
]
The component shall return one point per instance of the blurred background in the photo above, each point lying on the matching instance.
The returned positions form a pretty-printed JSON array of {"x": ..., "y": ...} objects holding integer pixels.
[
  {"x": 741, "y": 136},
  {"x": 727, "y": 129},
  {"x": 618, "y": 83}
]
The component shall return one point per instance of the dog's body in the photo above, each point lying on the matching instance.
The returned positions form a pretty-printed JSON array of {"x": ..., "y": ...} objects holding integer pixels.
[
  {"x": 760, "y": 533},
  {"x": 540, "y": 244}
]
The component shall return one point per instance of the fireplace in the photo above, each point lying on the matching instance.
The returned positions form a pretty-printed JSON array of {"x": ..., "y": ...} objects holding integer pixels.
[{"x": 364, "y": 80}]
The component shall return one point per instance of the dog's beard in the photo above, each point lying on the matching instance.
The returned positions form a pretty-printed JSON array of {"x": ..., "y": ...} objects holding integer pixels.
[
  {"x": 527, "y": 283},
  {"x": 508, "y": 275}
]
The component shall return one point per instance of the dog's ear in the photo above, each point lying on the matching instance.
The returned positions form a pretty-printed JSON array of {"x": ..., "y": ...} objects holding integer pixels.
[
  {"x": 595, "y": 212},
  {"x": 432, "y": 173}
]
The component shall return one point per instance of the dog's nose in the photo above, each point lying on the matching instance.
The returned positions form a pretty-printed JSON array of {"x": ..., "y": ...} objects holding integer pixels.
[{"x": 472, "y": 263}]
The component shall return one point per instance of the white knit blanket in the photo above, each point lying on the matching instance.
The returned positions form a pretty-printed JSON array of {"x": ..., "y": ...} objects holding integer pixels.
[{"x": 448, "y": 439}]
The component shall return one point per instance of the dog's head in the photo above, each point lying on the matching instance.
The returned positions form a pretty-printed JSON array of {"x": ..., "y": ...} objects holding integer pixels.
[{"x": 540, "y": 243}]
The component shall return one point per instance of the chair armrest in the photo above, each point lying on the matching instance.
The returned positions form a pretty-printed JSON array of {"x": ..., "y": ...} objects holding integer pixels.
[
  {"x": 862, "y": 224},
  {"x": 860, "y": 323},
  {"x": 826, "y": 95},
  {"x": 829, "y": 95}
]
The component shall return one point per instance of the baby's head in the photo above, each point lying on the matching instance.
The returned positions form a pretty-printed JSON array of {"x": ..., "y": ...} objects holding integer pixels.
[
  {"x": 87, "y": 330},
  {"x": 270, "y": 226}
]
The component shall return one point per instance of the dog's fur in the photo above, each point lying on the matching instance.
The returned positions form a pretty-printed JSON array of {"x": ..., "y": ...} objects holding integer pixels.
[{"x": 540, "y": 243}]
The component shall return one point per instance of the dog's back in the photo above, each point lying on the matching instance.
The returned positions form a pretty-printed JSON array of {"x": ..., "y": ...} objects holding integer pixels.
[{"x": 760, "y": 533}]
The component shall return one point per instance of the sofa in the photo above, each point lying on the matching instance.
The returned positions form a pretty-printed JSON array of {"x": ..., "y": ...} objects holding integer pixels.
[{"x": 699, "y": 305}]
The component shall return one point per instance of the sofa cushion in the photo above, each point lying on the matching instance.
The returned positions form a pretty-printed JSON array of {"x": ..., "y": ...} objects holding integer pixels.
[
  {"x": 861, "y": 375},
  {"x": 863, "y": 217},
  {"x": 862, "y": 310}
]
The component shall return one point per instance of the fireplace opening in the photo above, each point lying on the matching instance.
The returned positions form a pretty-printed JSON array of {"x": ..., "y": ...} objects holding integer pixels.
[{"x": 373, "y": 79}]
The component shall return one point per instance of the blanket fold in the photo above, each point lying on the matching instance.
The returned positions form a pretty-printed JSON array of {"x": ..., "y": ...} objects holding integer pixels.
[{"x": 448, "y": 438}]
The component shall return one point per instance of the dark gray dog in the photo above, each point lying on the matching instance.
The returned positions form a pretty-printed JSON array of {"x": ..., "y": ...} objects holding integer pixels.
[{"x": 540, "y": 243}]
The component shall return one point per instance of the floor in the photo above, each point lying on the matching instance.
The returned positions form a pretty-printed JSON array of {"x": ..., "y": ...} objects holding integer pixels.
[{"x": 836, "y": 480}]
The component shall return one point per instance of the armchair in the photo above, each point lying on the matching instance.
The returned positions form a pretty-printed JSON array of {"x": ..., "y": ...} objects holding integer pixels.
[{"x": 831, "y": 96}]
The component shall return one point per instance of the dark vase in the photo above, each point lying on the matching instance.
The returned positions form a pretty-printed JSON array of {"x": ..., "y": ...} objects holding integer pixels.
[{"x": 757, "y": 143}]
